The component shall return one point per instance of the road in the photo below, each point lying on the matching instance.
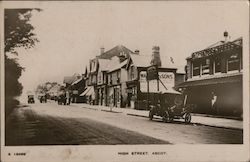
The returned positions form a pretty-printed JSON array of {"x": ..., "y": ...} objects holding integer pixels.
[{"x": 52, "y": 124}]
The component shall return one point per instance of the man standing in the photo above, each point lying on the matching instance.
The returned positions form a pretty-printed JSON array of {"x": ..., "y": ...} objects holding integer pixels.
[{"x": 67, "y": 97}]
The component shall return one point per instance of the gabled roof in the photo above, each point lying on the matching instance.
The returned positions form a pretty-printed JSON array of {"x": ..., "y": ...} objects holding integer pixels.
[
  {"x": 118, "y": 66},
  {"x": 77, "y": 80},
  {"x": 216, "y": 44},
  {"x": 218, "y": 47},
  {"x": 103, "y": 64},
  {"x": 112, "y": 63},
  {"x": 141, "y": 60},
  {"x": 115, "y": 52},
  {"x": 70, "y": 79},
  {"x": 144, "y": 61}
]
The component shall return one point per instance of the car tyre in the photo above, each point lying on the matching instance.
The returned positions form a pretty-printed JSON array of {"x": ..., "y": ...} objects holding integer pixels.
[
  {"x": 166, "y": 118},
  {"x": 187, "y": 118}
]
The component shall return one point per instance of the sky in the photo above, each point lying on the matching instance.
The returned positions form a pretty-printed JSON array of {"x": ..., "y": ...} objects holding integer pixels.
[{"x": 72, "y": 33}]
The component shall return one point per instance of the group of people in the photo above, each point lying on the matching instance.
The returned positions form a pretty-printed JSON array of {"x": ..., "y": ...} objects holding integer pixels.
[{"x": 63, "y": 98}]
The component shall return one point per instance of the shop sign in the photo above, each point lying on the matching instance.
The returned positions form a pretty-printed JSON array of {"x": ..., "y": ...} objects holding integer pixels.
[
  {"x": 167, "y": 78},
  {"x": 152, "y": 73}
]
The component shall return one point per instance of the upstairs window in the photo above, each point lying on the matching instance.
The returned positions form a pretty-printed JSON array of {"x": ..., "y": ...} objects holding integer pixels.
[
  {"x": 103, "y": 78},
  {"x": 132, "y": 71},
  {"x": 217, "y": 65},
  {"x": 233, "y": 62},
  {"x": 196, "y": 68},
  {"x": 205, "y": 66}
]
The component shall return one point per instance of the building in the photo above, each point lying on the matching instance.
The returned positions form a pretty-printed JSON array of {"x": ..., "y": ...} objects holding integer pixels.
[
  {"x": 136, "y": 67},
  {"x": 214, "y": 78},
  {"x": 117, "y": 77},
  {"x": 97, "y": 74},
  {"x": 77, "y": 88}
]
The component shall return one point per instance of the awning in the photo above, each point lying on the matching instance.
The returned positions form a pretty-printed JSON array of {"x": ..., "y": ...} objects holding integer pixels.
[
  {"x": 169, "y": 90},
  {"x": 212, "y": 81},
  {"x": 89, "y": 91}
]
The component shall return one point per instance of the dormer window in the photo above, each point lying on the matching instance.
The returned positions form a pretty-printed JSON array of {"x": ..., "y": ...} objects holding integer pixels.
[
  {"x": 217, "y": 65},
  {"x": 205, "y": 66},
  {"x": 196, "y": 68},
  {"x": 233, "y": 62}
]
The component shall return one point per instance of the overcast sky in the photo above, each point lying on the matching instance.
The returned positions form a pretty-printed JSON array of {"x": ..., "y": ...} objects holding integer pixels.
[{"x": 71, "y": 33}]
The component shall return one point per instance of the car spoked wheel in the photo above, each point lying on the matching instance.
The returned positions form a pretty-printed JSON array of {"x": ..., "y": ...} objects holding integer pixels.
[
  {"x": 166, "y": 118},
  {"x": 151, "y": 115},
  {"x": 187, "y": 118}
]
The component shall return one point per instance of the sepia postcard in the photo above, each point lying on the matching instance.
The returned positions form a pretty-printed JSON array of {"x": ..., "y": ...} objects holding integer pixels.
[{"x": 137, "y": 81}]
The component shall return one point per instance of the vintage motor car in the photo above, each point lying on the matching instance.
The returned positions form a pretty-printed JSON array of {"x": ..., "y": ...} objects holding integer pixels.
[
  {"x": 61, "y": 99},
  {"x": 31, "y": 99},
  {"x": 43, "y": 99},
  {"x": 171, "y": 106}
]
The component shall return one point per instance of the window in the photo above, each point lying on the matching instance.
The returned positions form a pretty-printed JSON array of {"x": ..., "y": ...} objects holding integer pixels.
[
  {"x": 217, "y": 65},
  {"x": 110, "y": 78},
  {"x": 205, "y": 66},
  {"x": 118, "y": 77},
  {"x": 103, "y": 78},
  {"x": 233, "y": 62},
  {"x": 196, "y": 68},
  {"x": 132, "y": 72},
  {"x": 99, "y": 77}
]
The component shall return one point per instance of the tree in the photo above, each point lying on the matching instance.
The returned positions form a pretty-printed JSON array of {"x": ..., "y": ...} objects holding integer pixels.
[{"x": 18, "y": 32}]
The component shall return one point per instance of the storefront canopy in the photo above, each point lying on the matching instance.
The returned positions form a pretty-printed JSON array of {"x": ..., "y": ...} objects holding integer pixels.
[
  {"x": 89, "y": 91},
  {"x": 222, "y": 79},
  {"x": 169, "y": 90}
]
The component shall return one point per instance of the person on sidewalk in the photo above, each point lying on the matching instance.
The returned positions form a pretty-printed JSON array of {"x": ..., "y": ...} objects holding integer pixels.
[{"x": 214, "y": 104}]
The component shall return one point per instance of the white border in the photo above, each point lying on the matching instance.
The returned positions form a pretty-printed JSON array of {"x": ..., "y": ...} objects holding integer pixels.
[{"x": 180, "y": 152}]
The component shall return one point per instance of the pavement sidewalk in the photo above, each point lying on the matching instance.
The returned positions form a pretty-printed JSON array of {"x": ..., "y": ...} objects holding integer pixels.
[{"x": 196, "y": 118}]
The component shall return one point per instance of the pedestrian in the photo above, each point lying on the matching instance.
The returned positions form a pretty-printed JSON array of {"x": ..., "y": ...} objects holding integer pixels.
[{"x": 214, "y": 103}]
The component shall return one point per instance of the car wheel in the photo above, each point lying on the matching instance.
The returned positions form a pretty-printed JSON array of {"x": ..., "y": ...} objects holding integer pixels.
[
  {"x": 187, "y": 118},
  {"x": 166, "y": 118}
]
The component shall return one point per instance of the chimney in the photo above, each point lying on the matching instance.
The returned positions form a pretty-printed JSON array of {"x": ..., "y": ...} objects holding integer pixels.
[
  {"x": 225, "y": 36},
  {"x": 156, "y": 59},
  {"x": 102, "y": 49},
  {"x": 137, "y": 52}
]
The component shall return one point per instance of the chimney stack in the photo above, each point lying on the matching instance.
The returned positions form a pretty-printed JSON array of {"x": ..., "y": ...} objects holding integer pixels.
[
  {"x": 156, "y": 59},
  {"x": 226, "y": 36},
  {"x": 102, "y": 50}
]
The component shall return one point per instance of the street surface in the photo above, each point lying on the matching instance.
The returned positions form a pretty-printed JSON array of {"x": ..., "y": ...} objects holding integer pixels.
[{"x": 52, "y": 124}]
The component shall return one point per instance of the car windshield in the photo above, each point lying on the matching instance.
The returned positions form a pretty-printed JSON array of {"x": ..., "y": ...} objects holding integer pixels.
[{"x": 179, "y": 100}]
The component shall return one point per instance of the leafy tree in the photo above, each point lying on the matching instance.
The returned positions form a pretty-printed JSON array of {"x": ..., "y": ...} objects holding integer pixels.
[{"x": 18, "y": 32}]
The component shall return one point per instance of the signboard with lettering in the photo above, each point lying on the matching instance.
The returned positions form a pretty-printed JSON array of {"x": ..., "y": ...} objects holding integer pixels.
[
  {"x": 167, "y": 78},
  {"x": 152, "y": 73}
]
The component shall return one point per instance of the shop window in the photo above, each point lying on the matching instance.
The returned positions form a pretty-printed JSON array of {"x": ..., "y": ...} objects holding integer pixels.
[
  {"x": 233, "y": 62},
  {"x": 217, "y": 65},
  {"x": 205, "y": 66},
  {"x": 196, "y": 68}
]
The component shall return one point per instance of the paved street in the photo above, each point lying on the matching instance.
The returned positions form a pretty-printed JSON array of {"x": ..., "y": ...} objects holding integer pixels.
[{"x": 49, "y": 123}]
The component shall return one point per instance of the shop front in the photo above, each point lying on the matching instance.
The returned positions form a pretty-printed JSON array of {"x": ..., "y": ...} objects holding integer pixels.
[
  {"x": 102, "y": 99},
  {"x": 114, "y": 96},
  {"x": 217, "y": 96},
  {"x": 140, "y": 92}
]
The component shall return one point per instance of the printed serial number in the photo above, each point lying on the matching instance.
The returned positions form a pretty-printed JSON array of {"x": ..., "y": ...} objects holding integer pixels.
[{"x": 19, "y": 154}]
